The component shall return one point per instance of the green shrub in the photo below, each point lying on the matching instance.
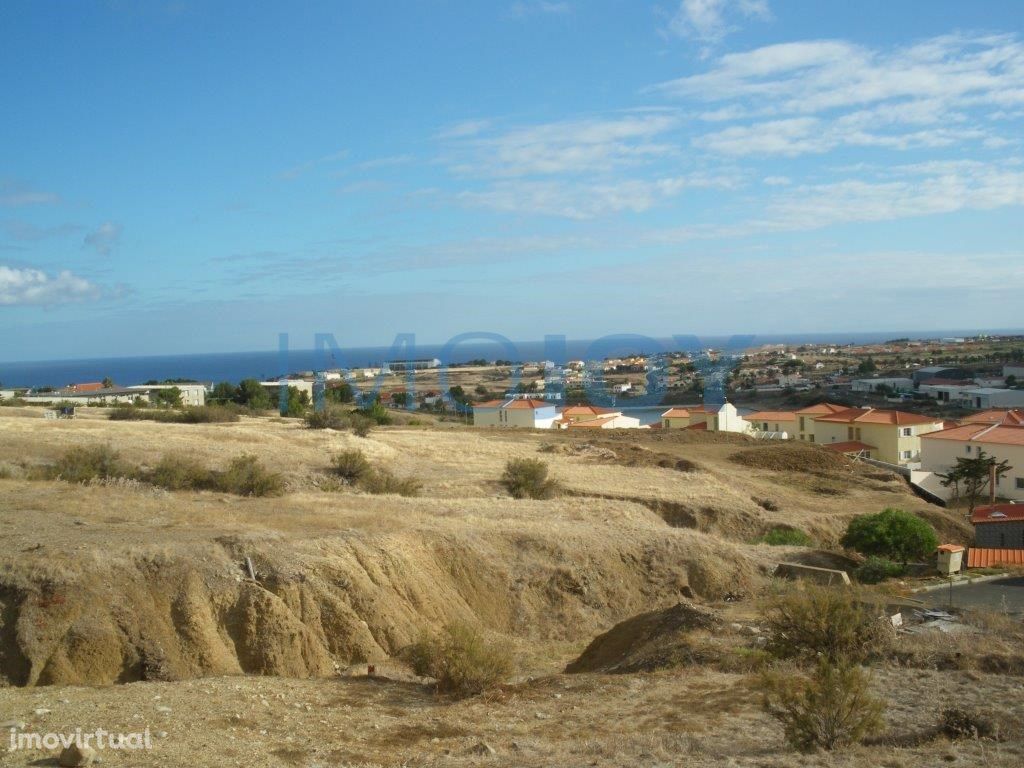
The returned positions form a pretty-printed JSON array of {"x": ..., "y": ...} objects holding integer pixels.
[
  {"x": 331, "y": 417},
  {"x": 528, "y": 479},
  {"x": 781, "y": 537},
  {"x": 177, "y": 472},
  {"x": 246, "y": 476},
  {"x": 377, "y": 413},
  {"x": 877, "y": 569},
  {"x": 892, "y": 533},
  {"x": 826, "y": 622},
  {"x": 87, "y": 463},
  {"x": 382, "y": 481},
  {"x": 462, "y": 661},
  {"x": 830, "y": 709},
  {"x": 351, "y": 466}
]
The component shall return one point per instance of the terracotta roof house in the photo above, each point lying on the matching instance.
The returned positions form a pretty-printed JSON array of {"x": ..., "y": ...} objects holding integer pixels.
[
  {"x": 894, "y": 435},
  {"x": 1000, "y": 440},
  {"x": 528, "y": 413},
  {"x": 774, "y": 422},
  {"x": 999, "y": 526},
  {"x": 806, "y": 417}
]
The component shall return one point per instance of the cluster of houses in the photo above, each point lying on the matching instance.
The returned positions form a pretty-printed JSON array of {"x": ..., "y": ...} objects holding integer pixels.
[
  {"x": 533, "y": 413},
  {"x": 953, "y": 385}
]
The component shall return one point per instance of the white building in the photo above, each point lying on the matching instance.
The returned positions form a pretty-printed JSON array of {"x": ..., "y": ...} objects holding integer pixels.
[
  {"x": 896, "y": 384},
  {"x": 593, "y": 417},
  {"x": 988, "y": 397},
  {"x": 191, "y": 394},
  {"x": 527, "y": 413},
  {"x": 940, "y": 450}
]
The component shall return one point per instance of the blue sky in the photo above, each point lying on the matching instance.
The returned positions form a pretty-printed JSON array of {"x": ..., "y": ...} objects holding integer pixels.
[{"x": 195, "y": 177}]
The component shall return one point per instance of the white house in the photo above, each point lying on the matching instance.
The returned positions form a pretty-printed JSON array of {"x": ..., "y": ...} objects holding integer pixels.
[
  {"x": 191, "y": 394},
  {"x": 1003, "y": 440},
  {"x": 871, "y": 385},
  {"x": 944, "y": 392},
  {"x": 1014, "y": 370},
  {"x": 593, "y": 417},
  {"x": 527, "y": 413},
  {"x": 989, "y": 397}
]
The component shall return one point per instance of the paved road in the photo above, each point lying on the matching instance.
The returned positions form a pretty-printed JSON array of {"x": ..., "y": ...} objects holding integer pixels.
[{"x": 1005, "y": 594}]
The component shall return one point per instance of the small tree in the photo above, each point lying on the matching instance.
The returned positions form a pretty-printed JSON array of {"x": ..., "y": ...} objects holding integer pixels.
[
  {"x": 462, "y": 660},
  {"x": 975, "y": 476},
  {"x": 831, "y": 708},
  {"x": 168, "y": 398},
  {"x": 528, "y": 479},
  {"x": 224, "y": 392},
  {"x": 892, "y": 533},
  {"x": 251, "y": 394},
  {"x": 339, "y": 392},
  {"x": 107, "y": 382}
]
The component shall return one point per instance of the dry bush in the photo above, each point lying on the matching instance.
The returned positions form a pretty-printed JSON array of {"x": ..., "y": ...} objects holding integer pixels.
[
  {"x": 361, "y": 425},
  {"x": 959, "y": 723},
  {"x": 766, "y": 504},
  {"x": 177, "y": 472},
  {"x": 383, "y": 481},
  {"x": 824, "y": 622},
  {"x": 331, "y": 417},
  {"x": 196, "y": 414},
  {"x": 246, "y": 476},
  {"x": 462, "y": 660},
  {"x": 87, "y": 463},
  {"x": 528, "y": 479},
  {"x": 351, "y": 466},
  {"x": 829, "y": 709}
]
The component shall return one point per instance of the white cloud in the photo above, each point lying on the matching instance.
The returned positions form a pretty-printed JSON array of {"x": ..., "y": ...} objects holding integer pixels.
[
  {"x": 584, "y": 145},
  {"x": 33, "y": 286},
  {"x": 588, "y": 200},
  {"x": 814, "y": 96},
  {"x": 709, "y": 20},
  {"x": 464, "y": 129},
  {"x": 104, "y": 238}
]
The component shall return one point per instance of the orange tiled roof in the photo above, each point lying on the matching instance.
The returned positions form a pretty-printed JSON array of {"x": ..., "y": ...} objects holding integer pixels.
[
  {"x": 586, "y": 410},
  {"x": 998, "y": 513},
  {"x": 676, "y": 413},
  {"x": 877, "y": 416},
  {"x": 1013, "y": 417},
  {"x": 490, "y": 404},
  {"x": 849, "y": 446},
  {"x": 986, "y": 558},
  {"x": 530, "y": 404},
  {"x": 771, "y": 416},
  {"x": 996, "y": 434},
  {"x": 597, "y": 423},
  {"x": 700, "y": 425},
  {"x": 89, "y": 386},
  {"x": 950, "y": 548},
  {"x": 821, "y": 409}
]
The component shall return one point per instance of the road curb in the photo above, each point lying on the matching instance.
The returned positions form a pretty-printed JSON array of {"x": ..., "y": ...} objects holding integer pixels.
[{"x": 963, "y": 582}]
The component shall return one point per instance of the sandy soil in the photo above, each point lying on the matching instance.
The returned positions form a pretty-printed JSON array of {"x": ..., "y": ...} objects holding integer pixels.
[{"x": 126, "y": 606}]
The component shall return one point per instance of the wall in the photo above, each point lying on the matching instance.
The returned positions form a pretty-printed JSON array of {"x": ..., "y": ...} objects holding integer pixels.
[{"x": 1008, "y": 535}]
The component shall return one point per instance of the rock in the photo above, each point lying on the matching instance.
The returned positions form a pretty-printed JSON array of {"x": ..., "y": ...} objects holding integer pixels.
[
  {"x": 42, "y": 711},
  {"x": 164, "y": 710},
  {"x": 482, "y": 748},
  {"x": 12, "y": 725},
  {"x": 75, "y": 756},
  {"x": 735, "y": 627}
]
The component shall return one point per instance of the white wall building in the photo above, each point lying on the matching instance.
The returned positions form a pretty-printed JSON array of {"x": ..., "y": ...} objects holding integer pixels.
[
  {"x": 191, "y": 394},
  {"x": 872, "y": 385},
  {"x": 525, "y": 413},
  {"x": 988, "y": 397},
  {"x": 940, "y": 450}
]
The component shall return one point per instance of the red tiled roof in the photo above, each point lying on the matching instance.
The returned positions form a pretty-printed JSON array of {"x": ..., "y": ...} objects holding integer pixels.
[
  {"x": 597, "y": 423},
  {"x": 490, "y": 404},
  {"x": 951, "y": 548},
  {"x": 996, "y": 434},
  {"x": 89, "y": 386},
  {"x": 986, "y": 558},
  {"x": 849, "y": 446},
  {"x": 700, "y": 425},
  {"x": 998, "y": 513},
  {"x": 877, "y": 416},
  {"x": 529, "y": 403}
]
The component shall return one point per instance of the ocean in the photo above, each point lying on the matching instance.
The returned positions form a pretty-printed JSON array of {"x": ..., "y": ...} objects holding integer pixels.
[{"x": 235, "y": 366}]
